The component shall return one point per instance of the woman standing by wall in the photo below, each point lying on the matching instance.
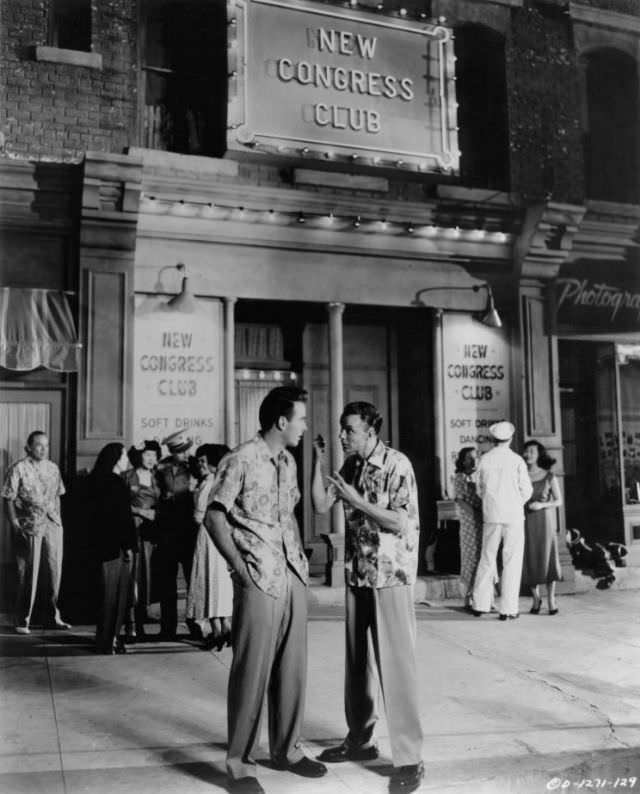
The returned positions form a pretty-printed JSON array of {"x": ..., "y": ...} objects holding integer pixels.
[
  {"x": 114, "y": 534},
  {"x": 541, "y": 558},
  {"x": 144, "y": 493},
  {"x": 470, "y": 507}
]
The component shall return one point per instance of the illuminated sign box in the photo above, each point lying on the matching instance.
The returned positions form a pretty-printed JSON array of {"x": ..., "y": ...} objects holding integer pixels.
[{"x": 322, "y": 82}]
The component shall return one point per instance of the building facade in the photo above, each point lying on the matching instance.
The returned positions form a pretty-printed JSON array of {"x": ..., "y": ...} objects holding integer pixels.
[{"x": 343, "y": 186}]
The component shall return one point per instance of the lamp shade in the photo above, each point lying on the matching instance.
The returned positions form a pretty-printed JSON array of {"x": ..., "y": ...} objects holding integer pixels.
[{"x": 490, "y": 315}]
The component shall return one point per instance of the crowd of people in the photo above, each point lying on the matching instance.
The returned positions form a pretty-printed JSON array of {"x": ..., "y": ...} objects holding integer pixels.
[
  {"x": 228, "y": 519},
  {"x": 508, "y": 504},
  {"x": 144, "y": 515}
]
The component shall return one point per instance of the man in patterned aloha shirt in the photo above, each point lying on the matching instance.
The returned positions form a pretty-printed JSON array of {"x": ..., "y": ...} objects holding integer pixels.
[
  {"x": 32, "y": 491},
  {"x": 377, "y": 487},
  {"x": 251, "y": 520}
]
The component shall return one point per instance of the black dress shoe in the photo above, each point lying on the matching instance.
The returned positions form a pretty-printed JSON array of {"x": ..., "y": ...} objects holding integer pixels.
[
  {"x": 406, "y": 778},
  {"x": 509, "y": 617},
  {"x": 305, "y": 767},
  {"x": 335, "y": 755},
  {"x": 246, "y": 785},
  {"x": 476, "y": 613}
]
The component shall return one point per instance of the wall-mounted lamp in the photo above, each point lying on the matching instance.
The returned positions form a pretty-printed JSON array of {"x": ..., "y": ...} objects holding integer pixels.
[
  {"x": 184, "y": 301},
  {"x": 489, "y": 316}
]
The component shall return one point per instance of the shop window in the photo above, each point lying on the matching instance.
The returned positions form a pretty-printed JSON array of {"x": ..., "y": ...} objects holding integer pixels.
[
  {"x": 69, "y": 25},
  {"x": 629, "y": 368},
  {"x": 183, "y": 76},
  {"x": 482, "y": 107},
  {"x": 612, "y": 119}
]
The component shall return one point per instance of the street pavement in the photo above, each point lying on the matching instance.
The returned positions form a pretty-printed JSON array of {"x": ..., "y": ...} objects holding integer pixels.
[{"x": 537, "y": 704}]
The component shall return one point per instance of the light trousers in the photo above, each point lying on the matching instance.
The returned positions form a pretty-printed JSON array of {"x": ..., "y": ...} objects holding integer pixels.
[
  {"x": 269, "y": 641},
  {"x": 512, "y": 537},
  {"x": 381, "y": 637},
  {"x": 31, "y": 552}
]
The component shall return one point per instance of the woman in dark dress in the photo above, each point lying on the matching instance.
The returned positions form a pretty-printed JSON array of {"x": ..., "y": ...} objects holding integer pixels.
[
  {"x": 541, "y": 557},
  {"x": 114, "y": 535},
  {"x": 144, "y": 493}
]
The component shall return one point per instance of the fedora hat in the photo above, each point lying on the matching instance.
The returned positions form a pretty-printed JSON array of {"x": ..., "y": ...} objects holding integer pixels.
[
  {"x": 502, "y": 431},
  {"x": 178, "y": 441}
]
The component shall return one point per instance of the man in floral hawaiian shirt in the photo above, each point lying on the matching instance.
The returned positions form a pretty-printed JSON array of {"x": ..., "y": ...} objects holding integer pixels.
[
  {"x": 32, "y": 491},
  {"x": 251, "y": 520},
  {"x": 377, "y": 487}
]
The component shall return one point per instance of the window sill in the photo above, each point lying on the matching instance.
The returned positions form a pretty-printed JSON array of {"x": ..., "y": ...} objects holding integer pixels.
[{"x": 92, "y": 60}]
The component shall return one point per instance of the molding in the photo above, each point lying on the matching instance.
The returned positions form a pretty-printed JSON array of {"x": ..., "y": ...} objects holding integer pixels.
[
  {"x": 308, "y": 176},
  {"x": 90, "y": 60},
  {"x": 607, "y": 231},
  {"x": 37, "y": 194},
  {"x": 608, "y": 19},
  {"x": 547, "y": 239}
]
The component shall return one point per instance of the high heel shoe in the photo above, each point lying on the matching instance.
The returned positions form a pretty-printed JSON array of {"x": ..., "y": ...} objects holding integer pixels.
[{"x": 535, "y": 610}]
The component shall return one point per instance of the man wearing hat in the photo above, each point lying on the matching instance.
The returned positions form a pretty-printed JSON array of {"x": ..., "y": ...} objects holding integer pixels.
[
  {"x": 504, "y": 486},
  {"x": 176, "y": 530}
]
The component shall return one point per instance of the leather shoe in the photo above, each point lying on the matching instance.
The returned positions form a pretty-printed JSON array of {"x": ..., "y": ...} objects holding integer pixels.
[
  {"x": 335, "y": 755},
  {"x": 406, "y": 778},
  {"x": 509, "y": 617},
  {"x": 246, "y": 785},
  {"x": 305, "y": 767}
]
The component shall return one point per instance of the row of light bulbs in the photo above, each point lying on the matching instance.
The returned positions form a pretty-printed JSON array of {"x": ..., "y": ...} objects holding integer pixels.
[
  {"x": 327, "y": 220},
  {"x": 401, "y": 12}
]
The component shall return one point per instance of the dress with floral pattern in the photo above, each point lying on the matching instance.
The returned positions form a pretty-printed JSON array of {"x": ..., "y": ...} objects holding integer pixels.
[
  {"x": 259, "y": 494},
  {"x": 34, "y": 487},
  {"x": 470, "y": 510},
  {"x": 377, "y": 557}
]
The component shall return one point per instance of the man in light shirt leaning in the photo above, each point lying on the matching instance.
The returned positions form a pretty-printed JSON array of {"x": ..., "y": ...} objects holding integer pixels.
[{"x": 504, "y": 486}]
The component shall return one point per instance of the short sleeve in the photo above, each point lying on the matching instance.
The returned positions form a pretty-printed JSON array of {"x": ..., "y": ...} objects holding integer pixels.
[
  {"x": 402, "y": 486},
  {"x": 61, "y": 489},
  {"x": 11, "y": 484},
  {"x": 229, "y": 482}
]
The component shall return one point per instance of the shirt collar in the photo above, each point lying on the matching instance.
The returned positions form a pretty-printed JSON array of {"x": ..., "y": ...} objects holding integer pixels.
[
  {"x": 376, "y": 457},
  {"x": 266, "y": 452}
]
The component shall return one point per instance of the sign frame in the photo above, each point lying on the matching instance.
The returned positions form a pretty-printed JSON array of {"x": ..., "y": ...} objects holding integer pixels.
[{"x": 248, "y": 133}]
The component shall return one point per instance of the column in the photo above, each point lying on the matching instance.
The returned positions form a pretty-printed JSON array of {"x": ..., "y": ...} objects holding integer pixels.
[
  {"x": 229, "y": 372},
  {"x": 335, "y": 569}
]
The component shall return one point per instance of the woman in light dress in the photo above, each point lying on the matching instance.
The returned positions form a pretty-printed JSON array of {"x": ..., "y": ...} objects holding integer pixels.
[
  {"x": 470, "y": 508},
  {"x": 541, "y": 558},
  {"x": 210, "y": 596}
]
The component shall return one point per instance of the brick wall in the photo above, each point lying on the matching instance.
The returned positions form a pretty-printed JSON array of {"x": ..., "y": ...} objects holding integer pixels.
[
  {"x": 52, "y": 111},
  {"x": 545, "y": 135}
]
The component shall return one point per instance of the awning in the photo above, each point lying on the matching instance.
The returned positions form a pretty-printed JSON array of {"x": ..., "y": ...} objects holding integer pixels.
[{"x": 37, "y": 330}]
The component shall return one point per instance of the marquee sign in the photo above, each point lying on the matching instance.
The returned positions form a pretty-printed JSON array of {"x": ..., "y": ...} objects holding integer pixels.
[{"x": 319, "y": 81}]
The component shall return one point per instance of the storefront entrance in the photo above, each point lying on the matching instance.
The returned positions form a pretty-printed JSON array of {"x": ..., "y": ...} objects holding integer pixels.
[
  {"x": 600, "y": 399},
  {"x": 387, "y": 361}
]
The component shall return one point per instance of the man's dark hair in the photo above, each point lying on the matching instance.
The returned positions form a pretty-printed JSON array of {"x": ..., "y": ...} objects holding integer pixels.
[
  {"x": 33, "y": 435},
  {"x": 366, "y": 411},
  {"x": 212, "y": 452},
  {"x": 279, "y": 402}
]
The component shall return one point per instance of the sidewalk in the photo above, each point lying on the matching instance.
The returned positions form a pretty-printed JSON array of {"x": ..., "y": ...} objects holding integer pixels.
[{"x": 516, "y": 706}]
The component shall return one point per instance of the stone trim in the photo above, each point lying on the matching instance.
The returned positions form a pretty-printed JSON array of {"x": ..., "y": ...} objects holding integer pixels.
[
  {"x": 91, "y": 60},
  {"x": 608, "y": 19}
]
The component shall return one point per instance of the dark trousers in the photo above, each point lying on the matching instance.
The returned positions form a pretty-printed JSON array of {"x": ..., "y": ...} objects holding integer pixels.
[
  {"x": 114, "y": 584},
  {"x": 269, "y": 639},
  {"x": 139, "y": 586},
  {"x": 165, "y": 571}
]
